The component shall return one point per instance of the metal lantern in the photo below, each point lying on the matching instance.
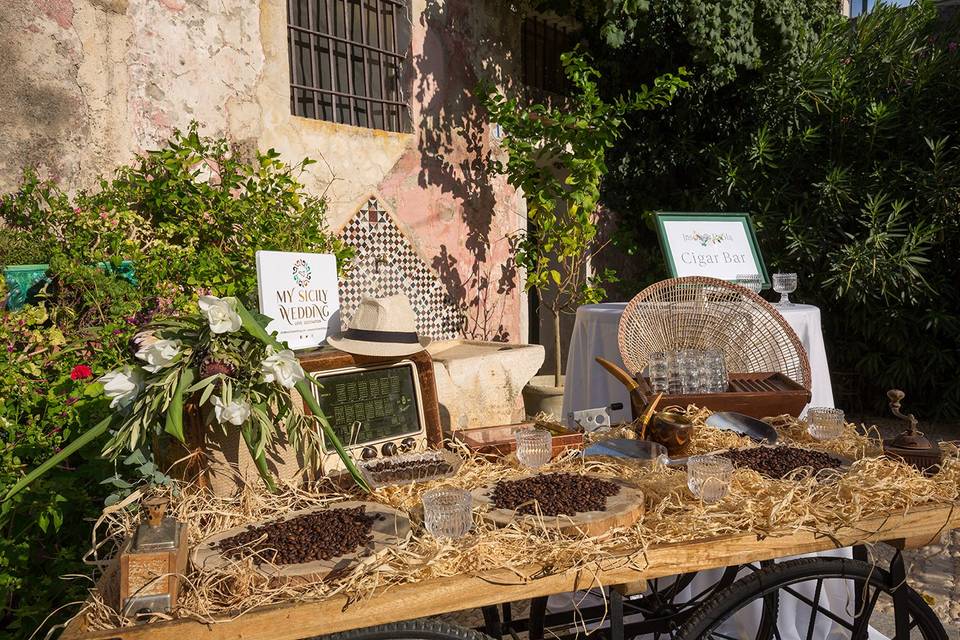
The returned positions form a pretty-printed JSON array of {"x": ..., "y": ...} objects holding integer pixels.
[{"x": 152, "y": 561}]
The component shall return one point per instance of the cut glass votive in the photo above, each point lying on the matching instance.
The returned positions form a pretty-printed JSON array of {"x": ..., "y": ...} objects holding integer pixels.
[
  {"x": 825, "y": 423},
  {"x": 448, "y": 512},
  {"x": 534, "y": 447},
  {"x": 708, "y": 477}
]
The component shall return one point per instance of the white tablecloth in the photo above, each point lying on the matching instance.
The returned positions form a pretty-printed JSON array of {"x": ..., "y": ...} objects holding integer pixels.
[{"x": 589, "y": 386}]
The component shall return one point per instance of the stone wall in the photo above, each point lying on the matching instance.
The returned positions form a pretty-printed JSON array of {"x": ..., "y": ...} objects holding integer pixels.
[{"x": 87, "y": 84}]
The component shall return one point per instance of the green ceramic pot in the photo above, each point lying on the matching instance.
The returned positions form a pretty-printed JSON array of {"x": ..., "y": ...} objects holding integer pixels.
[
  {"x": 23, "y": 280},
  {"x": 125, "y": 271}
]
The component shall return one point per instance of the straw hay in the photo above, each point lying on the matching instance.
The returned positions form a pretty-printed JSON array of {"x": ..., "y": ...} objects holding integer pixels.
[{"x": 872, "y": 487}]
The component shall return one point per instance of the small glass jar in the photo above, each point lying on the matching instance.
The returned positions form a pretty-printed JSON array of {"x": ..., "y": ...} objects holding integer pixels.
[
  {"x": 751, "y": 281},
  {"x": 708, "y": 477},
  {"x": 448, "y": 512},
  {"x": 534, "y": 447},
  {"x": 825, "y": 423}
]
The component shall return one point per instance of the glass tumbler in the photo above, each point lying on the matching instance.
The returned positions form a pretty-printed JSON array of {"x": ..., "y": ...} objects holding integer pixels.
[
  {"x": 534, "y": 447},
  {"x": 751, "y": 281},
  {"x": 674, "y": 386},
  {"x": 448, "y": 512},
  {"x": 658, "y": 368},
  {"x": 824, "y": 423},
  {"x": 708, "y": 477},
  {"x": 690, "y": 368},
  {"x": 785, "y": 284},
  {"x": 714, "y": 371}
]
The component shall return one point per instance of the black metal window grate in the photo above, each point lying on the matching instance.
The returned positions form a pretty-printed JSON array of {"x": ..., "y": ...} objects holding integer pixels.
[
  {"x": 345, "y": 59},
  {"x": 541, "y": 44}
]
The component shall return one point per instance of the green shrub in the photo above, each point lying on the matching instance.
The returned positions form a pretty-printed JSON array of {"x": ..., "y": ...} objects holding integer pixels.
[{"x": 190, "y": 216}]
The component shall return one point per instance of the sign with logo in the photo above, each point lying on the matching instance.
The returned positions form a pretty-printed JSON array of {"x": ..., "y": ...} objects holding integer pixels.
[
  {"x": 717, "y": 245},
  {"x": 299, "y": 292}
]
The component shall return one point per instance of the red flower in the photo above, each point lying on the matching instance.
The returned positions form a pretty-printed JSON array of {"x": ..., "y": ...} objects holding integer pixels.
[{"x": 80, "y": 372}]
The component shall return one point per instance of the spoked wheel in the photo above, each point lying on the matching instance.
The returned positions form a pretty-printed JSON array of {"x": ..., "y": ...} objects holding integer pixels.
[
  {"x": 410, "y": 630},
  {"x": 665, "y": 605},
  {"x": 831, "y": 598}
]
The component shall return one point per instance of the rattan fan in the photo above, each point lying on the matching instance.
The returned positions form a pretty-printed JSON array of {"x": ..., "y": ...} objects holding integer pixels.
[{"x": 705, "y": 313}]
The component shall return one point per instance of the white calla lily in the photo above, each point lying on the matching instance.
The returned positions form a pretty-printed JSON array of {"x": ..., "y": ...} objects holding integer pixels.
[
  {"x": 236, "y": 412},
  {"x": 122, "y": 386},
  {"x": 283, "y": 368},
  {"x": 159, "y": 354},
  {"x": 221, "y": 313}
]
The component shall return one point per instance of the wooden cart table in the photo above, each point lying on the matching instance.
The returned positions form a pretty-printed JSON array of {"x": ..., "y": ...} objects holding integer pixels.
[{"x": 631, "y": 569}]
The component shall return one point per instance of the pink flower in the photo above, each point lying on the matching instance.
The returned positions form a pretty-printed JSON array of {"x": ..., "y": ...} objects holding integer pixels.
[
  {"x": 81, "y": 372},
  {"x": 952, "y": 47}
]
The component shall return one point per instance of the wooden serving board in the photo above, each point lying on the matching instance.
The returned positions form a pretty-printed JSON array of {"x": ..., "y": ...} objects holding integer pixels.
[
  {"x": 623, "y": 510},
  {"x": 392, "y": 531}
]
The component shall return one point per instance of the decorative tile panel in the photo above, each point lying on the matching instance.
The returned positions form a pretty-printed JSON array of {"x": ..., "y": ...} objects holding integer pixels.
[{"x": 385, "y": 264}]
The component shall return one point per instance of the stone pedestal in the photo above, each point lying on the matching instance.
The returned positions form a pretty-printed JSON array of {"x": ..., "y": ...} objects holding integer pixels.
[{"x": 479, "y": 383}]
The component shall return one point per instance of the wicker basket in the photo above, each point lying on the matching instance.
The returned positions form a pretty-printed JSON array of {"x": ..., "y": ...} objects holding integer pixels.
[{"x": 706, "y": 313}]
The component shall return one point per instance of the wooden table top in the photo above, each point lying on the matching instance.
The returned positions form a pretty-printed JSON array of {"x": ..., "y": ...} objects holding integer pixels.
[{"x": 443, "y": 595}]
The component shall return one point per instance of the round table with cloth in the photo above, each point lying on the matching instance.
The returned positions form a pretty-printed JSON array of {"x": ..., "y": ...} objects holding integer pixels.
[{"x": 589, "y": 386}]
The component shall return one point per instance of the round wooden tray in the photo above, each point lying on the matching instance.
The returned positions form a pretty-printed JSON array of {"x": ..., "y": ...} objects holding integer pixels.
[
  {"x": 391, "y": 531},
  {"x": 623, "y": 510}
]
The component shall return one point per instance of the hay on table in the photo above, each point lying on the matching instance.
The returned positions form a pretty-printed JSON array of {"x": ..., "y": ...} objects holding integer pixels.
[{"x": 872, "y": 487}]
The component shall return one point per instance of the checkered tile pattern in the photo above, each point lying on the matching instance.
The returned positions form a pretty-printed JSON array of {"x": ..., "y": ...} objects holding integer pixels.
[{"x": 385, "y": 264}]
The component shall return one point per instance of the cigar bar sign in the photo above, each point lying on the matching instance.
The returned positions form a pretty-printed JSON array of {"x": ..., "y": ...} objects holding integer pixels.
[
  {"x": 298, "y": 291},
  {"x": 718, "y": 245}
]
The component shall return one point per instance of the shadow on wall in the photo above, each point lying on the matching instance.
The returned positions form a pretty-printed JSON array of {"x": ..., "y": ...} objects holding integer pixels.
[{"x": 454, "y": 151}]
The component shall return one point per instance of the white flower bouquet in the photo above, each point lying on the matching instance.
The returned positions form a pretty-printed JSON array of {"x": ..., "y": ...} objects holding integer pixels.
[{"x": 221, "y": 358}]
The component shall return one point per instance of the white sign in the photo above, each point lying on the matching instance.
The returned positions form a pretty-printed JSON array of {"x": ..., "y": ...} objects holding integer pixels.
[
  {"x": 299, "y": 292},
  {"x": 717, "y": 248}
]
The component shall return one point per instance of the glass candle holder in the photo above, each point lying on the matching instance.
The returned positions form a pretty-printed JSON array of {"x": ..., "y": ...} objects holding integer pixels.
[
  {"x": 448, "y": 512},
  {"x": 658, "y": 369},
  {"x": 784, "y": 284},
  {"x": 751, "y": 281},
  {"x": 534, "y": 447},
  {"x": 690, "y": 368},
  {"x": 708, "y": 477},
  {"x": 825, "y": 423}
]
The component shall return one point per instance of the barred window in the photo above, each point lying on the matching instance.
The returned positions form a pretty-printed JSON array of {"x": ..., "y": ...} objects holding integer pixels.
[
  {"x": 541, "y": 43},
  {"x": 345, "y": 61}
]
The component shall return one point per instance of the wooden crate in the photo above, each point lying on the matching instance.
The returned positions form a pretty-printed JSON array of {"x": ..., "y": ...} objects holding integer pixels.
[
  {"x": 500, "y": 441},
  {"x": 755, "y": 394}
]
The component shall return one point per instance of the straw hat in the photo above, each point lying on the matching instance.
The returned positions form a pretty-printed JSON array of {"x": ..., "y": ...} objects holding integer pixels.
[{"x": 382, "y": 327}]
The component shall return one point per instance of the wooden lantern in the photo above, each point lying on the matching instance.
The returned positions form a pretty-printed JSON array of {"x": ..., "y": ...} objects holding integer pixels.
[{"x": 152, "y": 561}]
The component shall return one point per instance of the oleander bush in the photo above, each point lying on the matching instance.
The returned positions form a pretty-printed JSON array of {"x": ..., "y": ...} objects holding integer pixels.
[
  {"x": 841, "y": 137},
  {"x": 190, "y": 217}
]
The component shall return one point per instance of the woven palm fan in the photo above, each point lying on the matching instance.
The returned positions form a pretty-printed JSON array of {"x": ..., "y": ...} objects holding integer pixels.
[{"x": 705, "y": 313}]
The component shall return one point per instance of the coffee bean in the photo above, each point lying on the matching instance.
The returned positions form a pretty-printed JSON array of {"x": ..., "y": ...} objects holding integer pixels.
[
  {"x": 554, "y": 494},
  {"x": 778, "y": 462},
  {"x": 307, "y": 538}
]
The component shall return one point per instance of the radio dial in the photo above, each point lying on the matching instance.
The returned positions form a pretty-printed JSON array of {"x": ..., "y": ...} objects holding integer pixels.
[
  {"x": 408, "y": 444},
  {"x": 368, "y": 453}
]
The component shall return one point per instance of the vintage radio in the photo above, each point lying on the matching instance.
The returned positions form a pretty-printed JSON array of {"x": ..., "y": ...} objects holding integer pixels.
[{"x": 378, "y": 407}]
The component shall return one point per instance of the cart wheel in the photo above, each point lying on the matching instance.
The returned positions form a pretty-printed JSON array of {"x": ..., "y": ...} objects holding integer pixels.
[
  {"x": 856, "y": 589},
  {"x": 410, "y": 630}
]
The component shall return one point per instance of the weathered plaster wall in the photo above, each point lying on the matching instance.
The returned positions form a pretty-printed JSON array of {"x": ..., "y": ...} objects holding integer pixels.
[{"x": 86, "y": 84}]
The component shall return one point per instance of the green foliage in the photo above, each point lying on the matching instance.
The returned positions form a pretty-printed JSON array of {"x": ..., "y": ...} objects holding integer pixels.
[
  {"x": 847, "y": 152},
  {"x": 190, "y": 216},
  {"x": 855, "y": 176},
  {"x": 556, "y": 155}
]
